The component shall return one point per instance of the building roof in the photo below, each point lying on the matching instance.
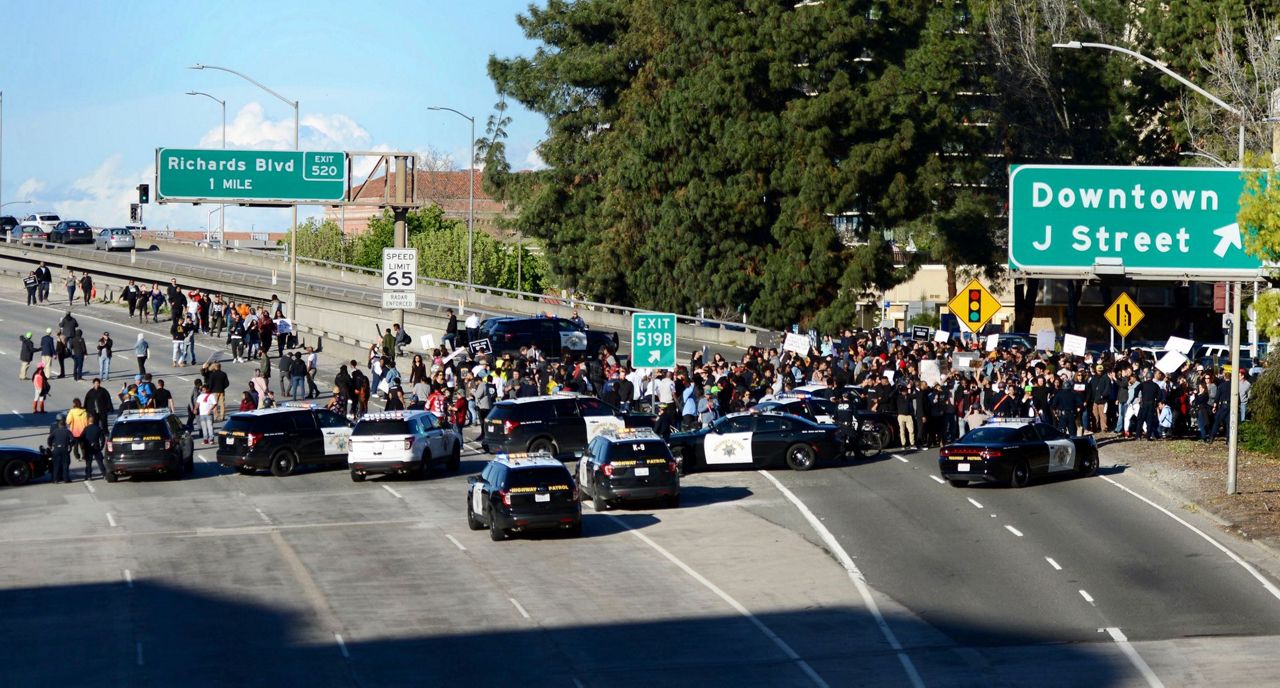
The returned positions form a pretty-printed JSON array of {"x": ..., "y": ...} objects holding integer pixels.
[{"x": 431, "y": 186}]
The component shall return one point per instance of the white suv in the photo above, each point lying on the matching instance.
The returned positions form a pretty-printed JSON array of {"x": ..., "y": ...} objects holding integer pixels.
[
  {"x": 400, "y": 443},
  {"x": 46, "y": 220}
]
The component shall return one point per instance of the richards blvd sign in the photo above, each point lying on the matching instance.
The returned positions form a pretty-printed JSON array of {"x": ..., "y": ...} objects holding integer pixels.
[
  {"x": 1073, "y": 221},
  {"x": 185, "y": 175}
]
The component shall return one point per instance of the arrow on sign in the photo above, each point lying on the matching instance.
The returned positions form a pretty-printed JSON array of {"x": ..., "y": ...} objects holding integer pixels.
[
  {"x": 654, "y": 356},
  {"x": 1229, "y": 236}
]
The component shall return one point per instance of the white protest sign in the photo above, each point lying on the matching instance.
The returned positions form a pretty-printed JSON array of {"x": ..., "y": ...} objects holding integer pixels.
[
  {"x": 1171, "y": 362},
  {"x": 796, "y": 343},
  {"x": 964, "y": 362},
  {"x": 930, "y": 372},
  {"x": 1045, "y": 340},
  {"x": 1182, "y": 346},
  {"x": 941, "y": 335},
  {"x": 1073, "y": 344},
  {"x": 993, "y": 341},
  {"x": 888, "y": 375}
]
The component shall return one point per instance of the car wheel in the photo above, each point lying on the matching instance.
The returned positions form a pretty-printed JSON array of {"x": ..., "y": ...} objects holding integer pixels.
[
  {"x": 495, "y": 533},
  {"x": 871, "y": 442},
  {"x": 472, "y": 522},
  {"x": 17, "y": 473},
  {"x": 283, "y": 463},
  {"x": 958, "y": 483},
  {"x": 455, "y": 459},
  {"x": 357, "y": 477},
  {"x": 800, "y": 457},
  {"x": 1020, "y": 475},
  {"x": 542, "y": 445},
  {"x": 245, "y": 470},
  {"x": 112, "y": 477},
  {"x": 1088, "y": 465},
  {"x": 599, "y": 503}
]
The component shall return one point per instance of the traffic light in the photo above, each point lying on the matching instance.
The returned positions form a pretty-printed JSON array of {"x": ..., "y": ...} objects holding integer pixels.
[
  {"x": 144, "y": 193},
  {"x": 975, "y": 305},
  {"x": 133, "y": 212}
]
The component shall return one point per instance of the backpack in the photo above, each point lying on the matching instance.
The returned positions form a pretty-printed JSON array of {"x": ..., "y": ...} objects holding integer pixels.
[{"x": 45, "y": 388}]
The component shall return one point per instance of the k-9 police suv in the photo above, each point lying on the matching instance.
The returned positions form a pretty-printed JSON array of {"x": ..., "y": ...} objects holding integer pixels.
[
  {"x": 628, "y": 465},
  {"x": 521, "y": 492}
]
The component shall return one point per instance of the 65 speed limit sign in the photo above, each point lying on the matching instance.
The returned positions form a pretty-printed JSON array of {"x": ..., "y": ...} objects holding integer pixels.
[{"x": 399, "y": 269}]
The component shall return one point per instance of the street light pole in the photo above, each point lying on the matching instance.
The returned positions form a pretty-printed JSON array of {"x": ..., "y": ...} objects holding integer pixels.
[
  {"x": 293, "y": 229},
  {"x": 222, "y": 230},
  {"x": 1233, "y": 426},
  {"x": 471, "y": 189}
]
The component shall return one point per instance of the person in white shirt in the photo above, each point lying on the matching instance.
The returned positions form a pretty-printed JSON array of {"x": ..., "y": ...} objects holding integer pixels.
[
  {"x": 664, "y": 388},
  {"x": 637, "y": 378},
  {"x": 473, "y": 327},
  {"x": 205, "y": 404}
]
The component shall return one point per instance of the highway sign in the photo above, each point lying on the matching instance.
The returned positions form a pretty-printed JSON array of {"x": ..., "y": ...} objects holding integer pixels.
[
  {"x": 249, "y": 176},
  {"x": 399, "y": 300},
  {"x": 1143, "y": 222},
  {"x": 1124, "y": 314},
  {"x": 399, "y": 269},
  {"x": 653, "y": 340},
  {"x": 974, "y": 306}
]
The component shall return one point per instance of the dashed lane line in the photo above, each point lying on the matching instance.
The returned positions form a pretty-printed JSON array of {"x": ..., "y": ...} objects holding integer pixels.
[
  {"x": 141, "y": 660},
  {"x": 342, "y": 645},
  {"x": 454, "y": 540},
  {"x": 520, "y": 608},
  {"x": 1056, "y": 566},
  {"x": 392, "y": 490},
  {"x": 1268, "y": 585},
  {"x": 938, "y": 480},
  {"x": 974, "y": 502},
  {"x": 1134, "y": 658},
  {"x": 111, "y": 519},
  {"x": 128, "y": 578},
  {"x": 1087, "y": 597},
  {"x": 1013, "y": 530},
  {"x": 855, "y": 575},
  {"x": 903, "y": 459}
]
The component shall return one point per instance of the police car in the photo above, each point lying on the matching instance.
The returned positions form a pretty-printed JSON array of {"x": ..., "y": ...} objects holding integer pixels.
[
  {"x": 401, "y": 442},
  {"x": 283, "y": 438},
  {"x": 20, "y": 465},
  {"x": 561, "y": 424},
  {"x": 848, "y": 405},
  {"x": 148, "y": 441},
  {"x": 628, "y": 465},
  {"x": 521, "y": 492},
  {"x": 758, "y": 440},
  {"x": 1012, "y": 451}
]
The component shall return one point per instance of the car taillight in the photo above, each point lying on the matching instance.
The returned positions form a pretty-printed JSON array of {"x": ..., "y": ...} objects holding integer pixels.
[
  {"x": 506, "y": 497},
  {"x": 509, "y": 425},
  {"x": 991, "y": 453},
  {"x": 168, "y": 444},
  {"x": 507, "y": 337},
  {"x": 944, "y": 453},
  {"x": 110, "y": 447},
  {"x": 607, "y": 469},
  {"x": 254, "y": 438},
  {"x": 408, "y": 443}
]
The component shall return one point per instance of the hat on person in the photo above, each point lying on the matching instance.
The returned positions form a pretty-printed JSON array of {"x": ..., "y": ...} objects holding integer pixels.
[
  {"x": 27, "y": 335},
  {"x": 48, "y": 330},
  {"x": 62, "y": 416},
  {"x": 1098, "y": 367}
]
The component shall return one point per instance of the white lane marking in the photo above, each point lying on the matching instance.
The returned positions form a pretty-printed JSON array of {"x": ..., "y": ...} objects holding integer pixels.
[
  {"x": 1087, "y": 597},
  {"x": 855, "y": 575},
  {"x": 1270, "y": 587},
  {"x": 454, "y": 540},
  {"x": 128, "y": 578},
  {"x": 577, "y": 683},
  {"x": 729, "y": 600},
  {"x": 111, "y": 519},
  {"x": 342, "y": 645},
  {"x": 975, "y": 502},
  {"x": 89, "y": 487},
  {"x": 1013, "y": 530},
  {"x": 184, "y": 379},
  {"x": 1054, "y": 564},
  {"x": 15, "y": 412},
  {"x": 262, "y": 515},
  {"x": 204, "y": 458},
  {"x": 140, "y": 660},
  {"x": 519, "y": 608},
  {"x": 938, "y": 480},
  {"x": 903, "y": 459},
  {"x": 395, "y": 494},
  {"x": 1134, "y": 658}
]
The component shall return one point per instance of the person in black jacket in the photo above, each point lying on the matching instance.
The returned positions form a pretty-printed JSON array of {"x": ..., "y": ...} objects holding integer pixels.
[
  {"x": 60, "y": 441},
  {"x": 1066, "y": 406},
  {"x": 97, "y": 401},
  {"x": 1151, "y": 394},
  {"x": 92, "y": 440},
  {"x": 45, "y": 278},
  {"x": 26, "y": 353},
  {"x": 1221, "y": 408},
  {"x": 78, "y": 351},
  {"x": 31, "y": 283},
  {"x": 904, "y": 408}
]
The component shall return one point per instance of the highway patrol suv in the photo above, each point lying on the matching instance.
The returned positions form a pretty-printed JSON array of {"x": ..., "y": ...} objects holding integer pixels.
[
  {"x": 148, "y": 441},
  {"x": 521, "y": 492},
  {"x": 628, "y": 465},
  {"x": 402, "y": 442},
  {"x": 561, "y": 424},
  {"x": 283, "y": 438}
]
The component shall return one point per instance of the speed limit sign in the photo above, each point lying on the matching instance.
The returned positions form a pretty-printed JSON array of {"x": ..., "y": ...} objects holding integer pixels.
[{"x": 399, "y": 269}]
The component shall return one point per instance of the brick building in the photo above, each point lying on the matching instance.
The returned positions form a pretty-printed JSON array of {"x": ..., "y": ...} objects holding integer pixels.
[{"x": 446, "y": 189}]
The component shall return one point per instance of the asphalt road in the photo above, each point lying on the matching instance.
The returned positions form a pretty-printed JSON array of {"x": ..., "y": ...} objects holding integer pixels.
[{"x": 228, "y": 580}]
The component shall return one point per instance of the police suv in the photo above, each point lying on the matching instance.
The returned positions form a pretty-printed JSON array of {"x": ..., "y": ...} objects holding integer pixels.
[
  {"x": 283, "y": 438},
  {"x": 758, "y": 440},
  {"x": 561, "y": 424},
  {"x": 522, "y": 492},
  {"x": 402, "y": 442},
  {"x": 148, "y": 441},
  {"x": 628, "y": 465}
]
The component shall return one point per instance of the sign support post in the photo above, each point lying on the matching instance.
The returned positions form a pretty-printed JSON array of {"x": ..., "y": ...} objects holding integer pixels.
[{"x": 1233, "y": 424}]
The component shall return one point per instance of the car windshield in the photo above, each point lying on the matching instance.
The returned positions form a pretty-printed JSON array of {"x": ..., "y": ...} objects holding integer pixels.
[
  {"x": 639, "y": 450},
  {"x": 120, "y": 232},
  {"x": 539, "y": 475},
  {"x": 141, "y": 428},
  {"x": 49, "y": 218},
  {"x": 994, "y": 433},
  {"x": 380, "y": 427}
]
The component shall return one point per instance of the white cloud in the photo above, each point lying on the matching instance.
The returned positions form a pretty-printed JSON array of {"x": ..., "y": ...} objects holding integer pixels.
[
  {"x": 30, "y": 189},
  {"x": 250, "y": 128},
  {"x": 533, "y": 161}
]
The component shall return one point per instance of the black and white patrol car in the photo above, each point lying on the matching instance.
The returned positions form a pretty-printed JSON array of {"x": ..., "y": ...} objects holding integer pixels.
[
  {"x": 522, "y": 492},
  {"x": 758, "y": 440},
  {"x": 148, "y": 442},
  {"x": 402, "y": 442},
  {"x": 628, "y": 465},
  {"x": 283, "y": 438},
  {"x": 21, "y": 465},
  {"x": 561, "y": 424},
  {"x": 1013, "y": 451}
]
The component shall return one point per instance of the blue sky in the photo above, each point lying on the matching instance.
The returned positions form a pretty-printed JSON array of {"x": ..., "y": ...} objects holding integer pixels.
[{"x": 86, "y": 107}]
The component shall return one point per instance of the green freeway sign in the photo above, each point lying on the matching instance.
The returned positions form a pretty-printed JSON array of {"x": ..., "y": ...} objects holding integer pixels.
[
  {"x": 653, "y": 340},
  {"x": 1144, "y": 222},
  {"x": 249, "y": 176}
]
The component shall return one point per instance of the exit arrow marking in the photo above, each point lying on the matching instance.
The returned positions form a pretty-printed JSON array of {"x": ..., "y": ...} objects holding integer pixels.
[
  {"x": 1228, "y": 236},
  {"x": 654, "y": 356}
]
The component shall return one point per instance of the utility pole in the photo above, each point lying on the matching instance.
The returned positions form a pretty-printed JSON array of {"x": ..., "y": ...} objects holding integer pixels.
[{"x": 400, "y": 212}]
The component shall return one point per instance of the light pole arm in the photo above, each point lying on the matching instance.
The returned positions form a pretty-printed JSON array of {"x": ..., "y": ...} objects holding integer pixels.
[
  {"x": 246, "y": 77},
  {"x": 469, "y": 118},
  {"x": 1139, "y": 56}
]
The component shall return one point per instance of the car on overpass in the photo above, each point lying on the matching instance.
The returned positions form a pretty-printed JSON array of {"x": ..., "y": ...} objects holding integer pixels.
[
  {"x": 554, "y": 337},
  {"x": 71, "y": 232},
  {"x": 46, "y": 220},
  {"x": 21, "y": 465},
  {"x": 1014, "y": 451},
  {"x": 28, "y": 233},
  {"x": 749, "y": 441},
  {"x": 114, "y": 239},
  {"x": 7, "y": 224}
]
